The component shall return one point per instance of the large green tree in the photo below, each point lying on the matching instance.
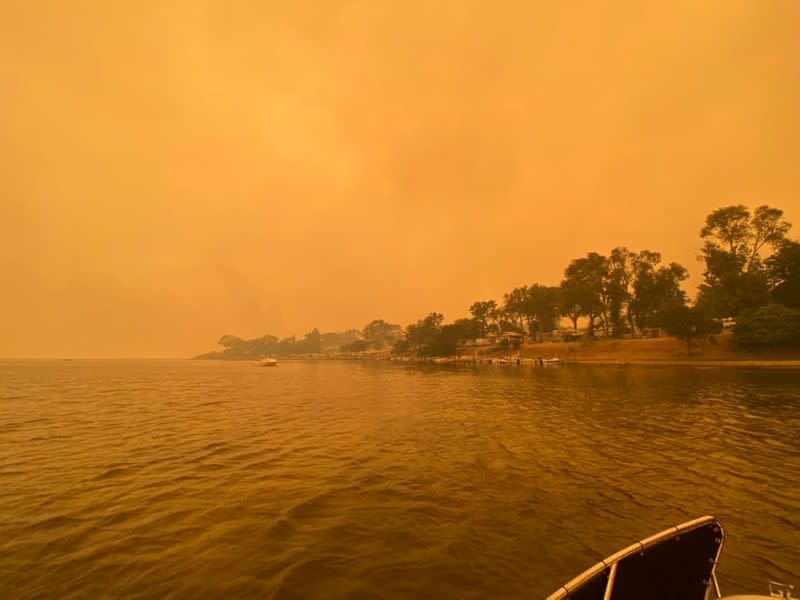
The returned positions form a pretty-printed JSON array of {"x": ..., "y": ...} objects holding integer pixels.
[
  {"x": 421, "y": 336},
  {"x": 622, "y": 267},
  {"x": 687, "y": 323},
  {"x": 585, "y": 291},
  {"x": 541, "y": 309},
  {"x": 655, "y": 287},
  {"x": 514, "y": 307},
  {"x": 450, "y": 336},
  {"x": 783, "y": 272},
  {"x": 380, "y": 334},
  {"x": 735, "y": 279},
  {"x": 485, "y": 315},
  {"x": 623, "y": 291},
  {"x": 571, "y": 302}
]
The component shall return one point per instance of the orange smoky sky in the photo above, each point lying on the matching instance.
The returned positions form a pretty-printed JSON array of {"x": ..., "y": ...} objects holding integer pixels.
[{"x": 174, "y": 171}]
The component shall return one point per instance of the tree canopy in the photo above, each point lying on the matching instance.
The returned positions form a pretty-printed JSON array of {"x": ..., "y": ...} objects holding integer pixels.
[
  {"x": 769, "y": 327},
  {"x": 735, "y": 278},
  {"x": 485, "y": 315},
  {"x": 687, "y": 323},
  {"x": 380, "y": 334},
  {"x": 783, "y": 273}
]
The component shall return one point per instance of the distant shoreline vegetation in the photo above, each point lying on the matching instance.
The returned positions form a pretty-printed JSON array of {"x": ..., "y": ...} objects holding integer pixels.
[
  {"x": 751, "y": 279},
  {"x": 377, "y": 334}
]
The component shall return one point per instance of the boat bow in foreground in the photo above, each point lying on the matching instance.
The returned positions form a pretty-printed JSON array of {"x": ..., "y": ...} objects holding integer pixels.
[{"x": 678, "y": 563}]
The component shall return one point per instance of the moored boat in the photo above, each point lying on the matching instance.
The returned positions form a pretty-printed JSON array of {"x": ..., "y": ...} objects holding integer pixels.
[{"x": 267, "y": 362}]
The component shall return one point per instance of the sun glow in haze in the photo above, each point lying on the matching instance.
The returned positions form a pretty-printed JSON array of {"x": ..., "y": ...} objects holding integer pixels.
[{"x": 175, "y": 171}]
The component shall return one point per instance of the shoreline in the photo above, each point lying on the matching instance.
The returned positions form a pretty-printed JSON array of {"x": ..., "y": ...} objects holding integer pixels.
[
  {"x": 711, "y": 351},
  {"x": 512, "y": 361},
  {"x": 733, "y": 363}
]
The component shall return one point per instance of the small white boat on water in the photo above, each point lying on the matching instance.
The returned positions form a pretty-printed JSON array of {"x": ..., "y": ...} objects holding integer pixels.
[
  {"x": 551, "y": 361},
  {"x": 267, "y": 362},
  {"x": 680, "y": 562}
]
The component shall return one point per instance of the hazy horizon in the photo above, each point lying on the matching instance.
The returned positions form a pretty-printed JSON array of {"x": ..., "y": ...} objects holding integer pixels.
[{"x": 172, "y": 173}]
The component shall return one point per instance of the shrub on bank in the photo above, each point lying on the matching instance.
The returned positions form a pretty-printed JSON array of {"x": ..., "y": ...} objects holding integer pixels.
[
  {"x": 771, "y": 326},
  {"x": 687, "y": 323}
]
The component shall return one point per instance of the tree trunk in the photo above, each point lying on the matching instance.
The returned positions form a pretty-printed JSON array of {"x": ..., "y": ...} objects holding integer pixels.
[{"x": 631, "y": 322}]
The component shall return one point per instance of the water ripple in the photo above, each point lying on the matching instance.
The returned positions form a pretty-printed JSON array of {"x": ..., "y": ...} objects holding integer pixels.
[{"x": 350, "y": 480}]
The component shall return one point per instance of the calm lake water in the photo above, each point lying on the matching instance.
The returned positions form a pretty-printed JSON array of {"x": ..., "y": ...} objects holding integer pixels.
[{"x": 360, "y": 480}]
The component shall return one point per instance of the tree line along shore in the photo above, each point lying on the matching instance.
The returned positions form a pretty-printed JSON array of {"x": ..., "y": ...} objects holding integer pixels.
[{"x": 624, "y": 306}]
